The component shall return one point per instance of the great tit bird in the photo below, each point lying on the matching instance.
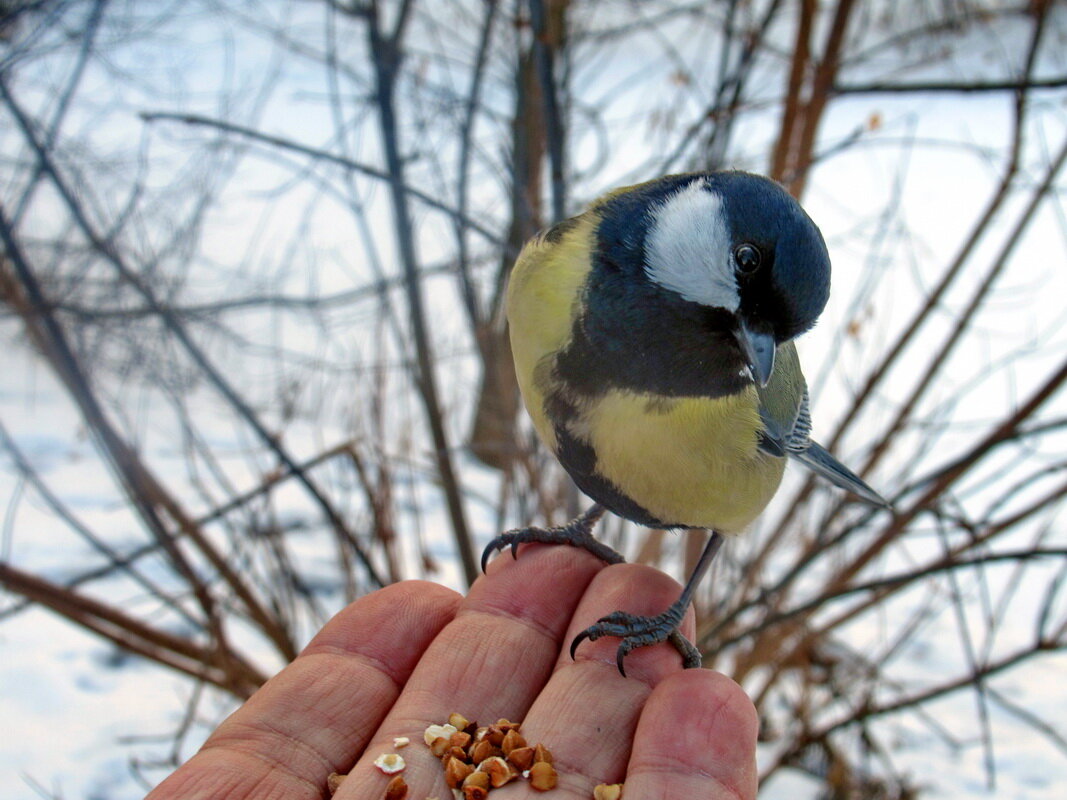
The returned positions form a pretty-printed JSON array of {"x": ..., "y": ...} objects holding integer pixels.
[{"x": 653, "y": 345}]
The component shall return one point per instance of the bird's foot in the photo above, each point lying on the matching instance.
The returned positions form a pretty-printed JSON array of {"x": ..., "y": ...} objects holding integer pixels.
[
  {"x": 577, "y": 533},
  {"x": 636, "y": 631}
]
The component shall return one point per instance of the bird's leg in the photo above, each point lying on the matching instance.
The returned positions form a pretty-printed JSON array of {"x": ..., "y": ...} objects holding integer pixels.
[
  {"x": 637, "y": 631},
  {"x": 578, "y": 532}
]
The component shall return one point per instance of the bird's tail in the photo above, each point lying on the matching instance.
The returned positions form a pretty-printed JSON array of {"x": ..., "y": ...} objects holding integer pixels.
[{"x": 819, "y": 459}]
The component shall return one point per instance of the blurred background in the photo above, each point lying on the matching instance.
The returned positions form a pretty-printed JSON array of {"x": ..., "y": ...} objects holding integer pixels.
[{"x": 254, "y": 363}]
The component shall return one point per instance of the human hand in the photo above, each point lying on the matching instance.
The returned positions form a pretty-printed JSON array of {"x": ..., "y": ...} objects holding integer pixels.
[{"x": 408, "y": 655}]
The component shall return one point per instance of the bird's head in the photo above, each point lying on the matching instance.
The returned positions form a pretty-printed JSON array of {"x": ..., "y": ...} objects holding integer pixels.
[{"x": 739, "y": 245}]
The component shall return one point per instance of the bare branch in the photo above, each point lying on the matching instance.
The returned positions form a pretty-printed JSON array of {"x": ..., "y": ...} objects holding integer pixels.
[{"x": 387, "y": 59}]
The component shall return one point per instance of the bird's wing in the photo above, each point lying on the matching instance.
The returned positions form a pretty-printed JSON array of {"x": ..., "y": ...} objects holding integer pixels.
[
  {"x": 783, "y": 405},
  {"x": 786, "y": 417}
]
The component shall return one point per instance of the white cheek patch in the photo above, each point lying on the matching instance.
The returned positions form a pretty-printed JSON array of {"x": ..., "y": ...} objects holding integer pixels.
[{"x": 688, "y": 248}]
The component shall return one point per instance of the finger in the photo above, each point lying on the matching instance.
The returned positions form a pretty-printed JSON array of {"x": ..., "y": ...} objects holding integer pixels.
[
  {"x": 490, "y": 662},
  {"x": 588, "y": 713},
  {"x": 317, "y": 714},
  {"x": 696, "y": 738}
]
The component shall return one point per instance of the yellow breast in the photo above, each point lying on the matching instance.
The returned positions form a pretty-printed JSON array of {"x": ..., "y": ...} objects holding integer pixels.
[{"x": 689, "y": 461}]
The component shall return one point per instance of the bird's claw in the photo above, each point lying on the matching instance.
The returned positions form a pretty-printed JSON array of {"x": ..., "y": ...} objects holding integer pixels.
[
  {"x": 577, "y": 533},
  {"x": 636, "y": 631},
  {"x": 512, "y": 539}
]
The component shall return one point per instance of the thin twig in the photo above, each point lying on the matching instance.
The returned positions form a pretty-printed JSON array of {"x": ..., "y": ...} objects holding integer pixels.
[
  {"x": 319, "y": 155},
  {"x": 387, "y": 59}
]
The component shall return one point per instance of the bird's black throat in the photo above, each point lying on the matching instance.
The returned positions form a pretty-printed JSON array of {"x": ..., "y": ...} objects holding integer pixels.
[{"x": 632, "y": 335}]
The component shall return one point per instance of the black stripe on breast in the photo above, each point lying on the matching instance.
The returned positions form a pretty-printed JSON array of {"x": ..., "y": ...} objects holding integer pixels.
[
  {"x": 576, "y": 456},
  {"x": 579, "y": 459}
]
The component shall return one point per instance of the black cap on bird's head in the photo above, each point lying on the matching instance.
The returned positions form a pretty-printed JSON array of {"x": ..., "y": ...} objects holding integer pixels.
[{"x": 739, "y": 242}]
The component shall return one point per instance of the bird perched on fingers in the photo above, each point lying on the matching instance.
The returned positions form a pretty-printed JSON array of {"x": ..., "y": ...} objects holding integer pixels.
[{"x": 653, "y": 344}]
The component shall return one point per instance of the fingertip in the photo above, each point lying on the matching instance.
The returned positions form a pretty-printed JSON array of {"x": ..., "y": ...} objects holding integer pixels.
[
  {"x": 417, "y": 591},
  {"x": 542, "y": 585},
  {"x": 700, "y": 728},
  {"x": 385, "y": 625},
  {"x": 423, "y": 602},
  {"x": 711, "y": 701}
]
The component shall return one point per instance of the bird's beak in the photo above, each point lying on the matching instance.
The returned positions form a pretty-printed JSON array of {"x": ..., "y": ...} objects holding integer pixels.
[{"x": 757, "y": 345}]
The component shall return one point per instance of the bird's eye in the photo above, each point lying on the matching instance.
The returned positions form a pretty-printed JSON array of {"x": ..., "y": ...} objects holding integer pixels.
[{"x": 748, "y": 258}]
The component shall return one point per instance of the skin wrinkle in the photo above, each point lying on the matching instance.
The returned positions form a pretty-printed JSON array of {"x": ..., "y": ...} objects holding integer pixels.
[
  {"x": 278, "y": 766},
  {"x": 573, "y": 782},
  {"x": 422, "y": 768},
  {"x": 206, "y": 785},
  {"x": 669, "y": 766},
  {"x": 260, "y": 738},
  {"x": 481, "y": 653},
  {"x": 575, "y": 778},
  {"x": 282, "y": 791},
  {"x": 527, "y": 621},
  {"x": 730, "y": 791},
  {"x": 413, "y": 727},
  {"x": 729, "y": 712},
  {"x": 379, "y": 666},
  {"x": 399, "y": 603},
  {"x": 500, "y": 597},
  {"x": 611, "y": 669},
  {"x": 567, "y": 767},
  {"x": 341, "y": 724}
]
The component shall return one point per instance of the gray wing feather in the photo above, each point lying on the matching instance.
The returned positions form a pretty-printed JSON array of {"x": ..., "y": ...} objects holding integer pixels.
[
  {"x": 797, "y": 443},
  {"x": 799, "y": 438}
]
